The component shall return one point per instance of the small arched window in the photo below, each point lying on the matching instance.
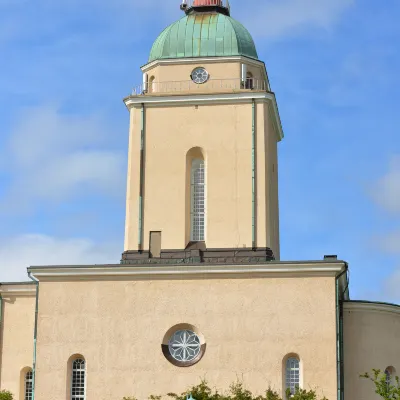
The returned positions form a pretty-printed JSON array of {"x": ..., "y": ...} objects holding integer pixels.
[
  {"x": 197, "y": 198},
  {"x": 292, "y": 374},
  {"x": 152, "y": 85},
  {"x": 78, "y": 379},
  {"x": 249, "y": 81},
  {"x": 389, "y": 374},
  {"x": 28, "y": 385}
]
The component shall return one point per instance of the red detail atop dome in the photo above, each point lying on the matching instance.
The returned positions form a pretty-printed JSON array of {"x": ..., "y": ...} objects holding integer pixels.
[{"x": 202, "y": 3}]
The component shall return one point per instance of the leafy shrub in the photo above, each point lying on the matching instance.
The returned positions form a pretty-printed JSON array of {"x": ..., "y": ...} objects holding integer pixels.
[
  {"x": 301, "y": 394},
  {"x": 386, "y": 390},
  {"x": 236, "y": 392},
  {"x": 6, "y": 395}
]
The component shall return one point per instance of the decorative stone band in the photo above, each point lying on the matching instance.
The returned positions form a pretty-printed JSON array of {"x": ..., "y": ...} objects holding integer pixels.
[
  {"x": 17, "y": 289},
  {"x": 196, "y": 256},
  {"x": 192, "y": 271}
]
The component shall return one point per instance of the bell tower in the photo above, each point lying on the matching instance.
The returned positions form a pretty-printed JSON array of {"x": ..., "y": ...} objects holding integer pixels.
[{"x": 202, "y": 165}]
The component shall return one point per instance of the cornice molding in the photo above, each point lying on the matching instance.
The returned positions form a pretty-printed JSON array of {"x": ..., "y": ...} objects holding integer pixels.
[
  {"x": 187, "y": 271},
  {"x": 215, "y": 98},
  {"x": 194, "y": 60},
  {"x": 368, "y": 306},
  {"x": 17, "y": 290}
]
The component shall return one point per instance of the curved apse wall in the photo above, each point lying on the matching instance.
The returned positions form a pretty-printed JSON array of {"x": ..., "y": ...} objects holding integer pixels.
[{"x": 371, "y": 335}]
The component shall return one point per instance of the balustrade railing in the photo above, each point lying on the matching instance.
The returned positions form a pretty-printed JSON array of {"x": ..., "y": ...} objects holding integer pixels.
[{"x": 212, "y": 85}]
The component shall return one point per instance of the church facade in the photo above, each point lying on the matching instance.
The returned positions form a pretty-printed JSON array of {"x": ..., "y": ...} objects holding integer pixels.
[{"x": 201, "y": 290}]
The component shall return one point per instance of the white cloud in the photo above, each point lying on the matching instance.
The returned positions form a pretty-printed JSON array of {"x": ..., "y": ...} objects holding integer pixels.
[
  {"x": 20, "y": 252},
  {"x": 281, "y": 17},
  {"x": 53, "y": 156},
  {"x": 386, "y": 192}
]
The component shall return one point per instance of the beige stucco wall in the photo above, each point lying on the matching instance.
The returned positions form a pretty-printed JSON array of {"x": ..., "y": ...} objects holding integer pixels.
[
  {"x": 249, "y": 326},
  {"x": 17, "y": 330},
  {"x": 371, "y": 340},
  {"x": 224, "y": 132}
]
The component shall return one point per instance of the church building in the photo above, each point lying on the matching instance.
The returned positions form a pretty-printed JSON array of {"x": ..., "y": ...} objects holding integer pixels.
[{"x": 201, "y": 290}]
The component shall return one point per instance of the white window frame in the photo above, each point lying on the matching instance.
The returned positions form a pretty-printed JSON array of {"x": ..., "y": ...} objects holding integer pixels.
[
  {"x": 76, "y": 370},
  {"x": 28, "y": 385},
  {"x": 291, "y": 372},
  {"x": 197, "y": 218}
]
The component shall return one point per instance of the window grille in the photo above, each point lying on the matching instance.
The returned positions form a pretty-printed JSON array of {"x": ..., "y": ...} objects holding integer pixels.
[
  {"x": 292, "y": 374},
  {"x": 28, "y": 384},
  {"x": 197, "y": 200},
  {"x": 78, "y": 380}
]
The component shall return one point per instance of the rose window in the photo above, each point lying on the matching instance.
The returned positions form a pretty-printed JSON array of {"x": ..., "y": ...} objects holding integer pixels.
[
  {"x": 184, "y": 346},
  {"x": 200, "y": 75}
]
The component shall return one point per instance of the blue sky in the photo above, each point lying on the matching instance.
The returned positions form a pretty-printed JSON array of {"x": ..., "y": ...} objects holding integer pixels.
[{"x": 63, "y": 128}]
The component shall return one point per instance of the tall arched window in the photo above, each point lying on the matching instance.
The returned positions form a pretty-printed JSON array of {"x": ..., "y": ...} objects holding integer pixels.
[
  {"x": 388, "y": 377},
  {"x": 197, "y": 198},
  {"x": 28, "y": 385},
  {"x": 292, "y": 374},
  {"x": 78, "y": 379}
]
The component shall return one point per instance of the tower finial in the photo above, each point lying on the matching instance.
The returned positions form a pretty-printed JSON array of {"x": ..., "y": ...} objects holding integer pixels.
[{"x": 184, "y": 5}]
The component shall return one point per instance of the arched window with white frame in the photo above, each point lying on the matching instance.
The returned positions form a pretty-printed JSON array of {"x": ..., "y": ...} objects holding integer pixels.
[
  {"x": 78, "y": 379},
  {"x": 292, "y": 374},
  {"x": 28, "y": 385},
  {"x": 197, "y": 200}
]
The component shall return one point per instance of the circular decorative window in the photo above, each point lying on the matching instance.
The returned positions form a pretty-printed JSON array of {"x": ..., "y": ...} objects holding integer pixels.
[
  {"x": 200, "y": 75},
  {"x": 183, "y": 346}
]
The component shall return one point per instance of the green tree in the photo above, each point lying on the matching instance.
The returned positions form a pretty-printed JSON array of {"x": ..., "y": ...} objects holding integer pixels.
[
  {"x": 387, "y": 390},
  {"x": 6, "y": 395}
]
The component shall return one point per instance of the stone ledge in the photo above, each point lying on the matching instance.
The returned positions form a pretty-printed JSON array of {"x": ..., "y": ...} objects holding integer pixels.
[{"x": 200, "y": 256}]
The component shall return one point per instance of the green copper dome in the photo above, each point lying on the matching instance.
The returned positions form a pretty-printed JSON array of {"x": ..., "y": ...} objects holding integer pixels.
[{"x": 204, "y": 35}]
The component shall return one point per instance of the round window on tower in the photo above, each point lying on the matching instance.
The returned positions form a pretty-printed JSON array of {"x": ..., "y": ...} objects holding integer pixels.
[
  {"x": 183, "y": 345},
  {"x": 200, "y": 75}
]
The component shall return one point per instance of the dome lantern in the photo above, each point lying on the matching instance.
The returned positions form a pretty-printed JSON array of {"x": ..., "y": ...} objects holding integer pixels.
[{"x": 221, "y": 6}]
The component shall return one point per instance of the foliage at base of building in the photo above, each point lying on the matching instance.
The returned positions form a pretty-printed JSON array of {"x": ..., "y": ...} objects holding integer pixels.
[
  {"x": 387, "y": 389},
  {"x": 236, "y": 391},
  {"x": 6, "y": 395}
]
